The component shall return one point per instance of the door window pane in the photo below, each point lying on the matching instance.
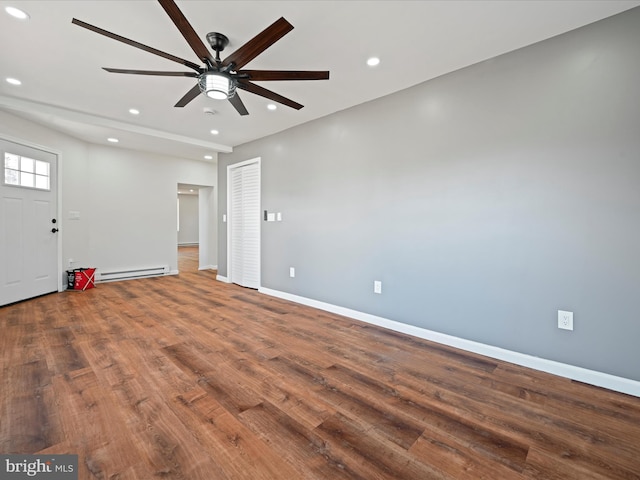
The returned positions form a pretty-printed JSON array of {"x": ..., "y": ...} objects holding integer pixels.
[
  {"x": 11, "y": 161},
  {"x": 26, "y": 172},
  {"x": 11, "y": 177},
  {"x": 27, "y": 179},
  {"x": 42, "y": 168},
  {"x": 27, "y": 165},
  {"x": 42, "y": 182}
]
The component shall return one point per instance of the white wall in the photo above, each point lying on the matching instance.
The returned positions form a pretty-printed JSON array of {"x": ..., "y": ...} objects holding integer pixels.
[
  {"x": 126, "y": 198},
  {"x": 188, "y": 207},
  {"x": 208, "y": 213}
]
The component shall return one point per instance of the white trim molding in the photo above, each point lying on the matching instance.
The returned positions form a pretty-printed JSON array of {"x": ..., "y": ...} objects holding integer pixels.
[
  {"x": 220, "y": 278},
  {"x": 592, "y": 377}
]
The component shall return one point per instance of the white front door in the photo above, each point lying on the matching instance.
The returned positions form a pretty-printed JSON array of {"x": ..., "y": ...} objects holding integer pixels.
[{"x": 28, "y": 222}]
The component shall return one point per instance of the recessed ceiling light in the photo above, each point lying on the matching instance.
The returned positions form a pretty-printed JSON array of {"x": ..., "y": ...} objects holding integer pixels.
[
  {"x": 14, "y": 81},
  {"x": 272, "y": 106},
  {"x": 112, "y": 140},
  {"x": 373, "y": 61},
  {"x": 214, "y": 132},
  {"x": 134, "y": 111},
  {"x": 208, "y": 157},
  {"x": 191, "y": 190},
  {"x": 17, "y": 13}
]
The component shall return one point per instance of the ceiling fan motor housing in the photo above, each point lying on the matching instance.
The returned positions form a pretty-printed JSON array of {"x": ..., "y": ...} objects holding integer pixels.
[{"x": 218, "y": 41}]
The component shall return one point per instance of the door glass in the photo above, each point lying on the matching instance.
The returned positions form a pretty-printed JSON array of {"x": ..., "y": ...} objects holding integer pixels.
[
  {"x": 26, "y": 179},
  {"x": 27, "y": 164},
  {"x": 11, "y": 177},
  {"x": 11, "y": 161},
  {"x": 26, "y": 172}
]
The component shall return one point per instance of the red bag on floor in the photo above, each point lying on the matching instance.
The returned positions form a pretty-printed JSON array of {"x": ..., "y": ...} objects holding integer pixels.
[{"x": 85, "y": 278}]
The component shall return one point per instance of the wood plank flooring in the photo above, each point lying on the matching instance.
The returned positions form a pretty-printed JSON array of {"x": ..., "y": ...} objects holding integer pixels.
[{"x": 184, "y": 377}]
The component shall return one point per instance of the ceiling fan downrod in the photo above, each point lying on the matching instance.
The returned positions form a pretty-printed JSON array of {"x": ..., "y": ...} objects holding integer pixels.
[{"x": 218, "y": 42}]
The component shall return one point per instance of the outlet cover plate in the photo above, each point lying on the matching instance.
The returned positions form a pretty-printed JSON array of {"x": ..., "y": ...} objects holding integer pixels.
[{"x": 565, "y": 320}]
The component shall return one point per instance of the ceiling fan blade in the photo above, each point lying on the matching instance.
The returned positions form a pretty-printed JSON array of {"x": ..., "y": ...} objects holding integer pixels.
[
  {"x": 187, "y": 31},
  {"x": 190, "y": 95},
  {"x": 263, "y": 92},
  {"x": 151, "y": 72},
  {"x": 238, "y": 105},
  {"x": 139, "y": 45},
  {"x": 259, "y": 43},
  {"x": 267, "y": 75}
]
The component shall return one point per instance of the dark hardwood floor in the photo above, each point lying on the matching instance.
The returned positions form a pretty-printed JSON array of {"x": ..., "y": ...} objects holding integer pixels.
[{"x": 184, "y": 377}]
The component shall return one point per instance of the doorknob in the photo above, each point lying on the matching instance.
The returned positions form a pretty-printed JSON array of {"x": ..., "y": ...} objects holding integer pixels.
[
  {"x": 53, "y": 220},
  {"x": 54, "y": 230}
]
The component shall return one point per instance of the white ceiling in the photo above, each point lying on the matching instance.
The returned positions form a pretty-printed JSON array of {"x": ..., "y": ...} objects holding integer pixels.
[{"x": 64, "y": 86}]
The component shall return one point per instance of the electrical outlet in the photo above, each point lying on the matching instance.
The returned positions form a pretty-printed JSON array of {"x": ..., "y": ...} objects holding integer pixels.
[
  {"x": 292, "y": 272},
  {"x": 565, "y": 320},
  {"x": 377, "y": 286}
]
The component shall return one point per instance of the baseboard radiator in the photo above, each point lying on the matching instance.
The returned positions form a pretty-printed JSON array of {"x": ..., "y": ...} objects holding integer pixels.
[{"x": 131, "y": 274}]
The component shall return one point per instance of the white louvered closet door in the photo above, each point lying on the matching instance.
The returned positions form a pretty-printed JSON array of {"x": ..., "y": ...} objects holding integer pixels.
[{"x": 245, "y": 225}]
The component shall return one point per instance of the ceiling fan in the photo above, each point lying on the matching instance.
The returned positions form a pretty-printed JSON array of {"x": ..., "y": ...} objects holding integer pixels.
[{"x": 218, "y": 78}]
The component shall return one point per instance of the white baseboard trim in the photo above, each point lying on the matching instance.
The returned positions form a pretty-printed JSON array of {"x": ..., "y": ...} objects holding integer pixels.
[
  {"x": 208, "y": 267},
  {"x": 592, "y": 377},
  {"x": 220, "y": 278}
]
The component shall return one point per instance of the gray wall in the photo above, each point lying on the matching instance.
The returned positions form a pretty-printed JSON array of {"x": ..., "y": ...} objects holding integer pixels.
[{"x": 485, "y": 200}]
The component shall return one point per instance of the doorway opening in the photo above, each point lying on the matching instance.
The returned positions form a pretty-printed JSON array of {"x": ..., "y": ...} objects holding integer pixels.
[{"x": 197, "y": 226}]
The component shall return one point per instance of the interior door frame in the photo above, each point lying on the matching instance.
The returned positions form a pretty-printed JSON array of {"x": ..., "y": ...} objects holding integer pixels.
[
  {"x": 256, "y": 160},
  {"x": 58, "y": 199}
]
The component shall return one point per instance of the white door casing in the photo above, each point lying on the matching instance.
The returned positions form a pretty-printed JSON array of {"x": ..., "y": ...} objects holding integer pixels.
[
  {"x": 243, "y": 228},
  {"x": 28, "y": 246}
]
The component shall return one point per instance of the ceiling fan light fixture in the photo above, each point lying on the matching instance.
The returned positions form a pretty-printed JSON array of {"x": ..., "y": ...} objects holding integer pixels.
[{"x": 217, "y": 85}]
